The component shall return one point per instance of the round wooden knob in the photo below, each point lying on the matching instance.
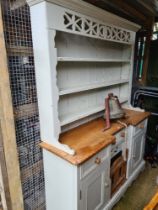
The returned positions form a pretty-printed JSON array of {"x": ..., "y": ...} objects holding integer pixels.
[{"x": 97, "y": 160}]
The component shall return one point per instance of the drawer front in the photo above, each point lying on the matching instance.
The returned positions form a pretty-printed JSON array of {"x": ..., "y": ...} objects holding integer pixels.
[
  {"x": 120, "y": 136},
  {"x": 120, "y": 140},
  {"x": 141, "y": 127},
  {"x": 94, "y": 162},
  {"x": 116, "y": 149}
]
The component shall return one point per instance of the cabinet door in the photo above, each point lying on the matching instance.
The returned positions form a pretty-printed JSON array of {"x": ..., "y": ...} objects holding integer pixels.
[
  {"x": 95, "y": 187},
  {"x": 138, "y": 149}
]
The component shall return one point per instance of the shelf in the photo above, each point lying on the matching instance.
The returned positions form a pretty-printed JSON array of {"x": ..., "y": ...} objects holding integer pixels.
[
  {"x": 78, "y": 116},
  {"x": 92, "y": 86},
  {"x": 72, "y": 59}
]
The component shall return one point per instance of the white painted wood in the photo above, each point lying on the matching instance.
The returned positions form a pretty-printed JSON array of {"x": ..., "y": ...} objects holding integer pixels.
[
  {"x": 75, "y": 47},
  {"x": 84, "y": 120},
  {"x": 87, "y": 186},
  {"x": 66, "y": 63},
  {"x": 71, "y": 117},
  {"x": 81, "y": 121},
  {"x": 92, "y": 86},
  {"x": 44, "y": 51},
  {"x": 72, "y": 59},
  {"x": 75, "y": 193},
  {"x": 126, "y": 71},
  {"x": 136, "y": 145},
  {"x": 131, "y": 71},
  {"x": 93, "y": 189},
  {"x": 124, "y": 90},
  {"x": 78, "y": 23},
  {"x": 61, "y": 183},
  {"x": 89, "y": 166},
  {"x": 82, "y": 53},
  {"x": 95, "y": 184},
  {"x": 79, "y": 75},
  {"x": 92, "y": 11},
  {"x": 140, "y": 128}
]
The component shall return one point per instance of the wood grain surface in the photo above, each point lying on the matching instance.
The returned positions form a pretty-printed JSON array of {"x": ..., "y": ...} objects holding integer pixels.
[
  {"x": 7, "y": 127},
  {"x": 90, "y": 138}
]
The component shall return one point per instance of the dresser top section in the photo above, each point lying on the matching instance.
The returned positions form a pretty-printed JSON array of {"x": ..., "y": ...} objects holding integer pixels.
[
  {"x": 90, "y": 10},
  {"x": 88, "y": 139}
]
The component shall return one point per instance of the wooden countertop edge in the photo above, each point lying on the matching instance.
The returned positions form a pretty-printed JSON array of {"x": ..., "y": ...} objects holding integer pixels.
[
  {"x": 88, "y": 151},
  {"x": 79, "y": 157},
  {"x": 147, "y": 114}
]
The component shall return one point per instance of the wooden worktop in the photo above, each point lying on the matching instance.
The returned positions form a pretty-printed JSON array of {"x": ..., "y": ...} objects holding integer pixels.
[{"x": 90, "y": 138}]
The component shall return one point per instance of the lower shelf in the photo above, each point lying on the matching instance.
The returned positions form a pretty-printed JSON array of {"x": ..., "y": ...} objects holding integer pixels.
[
  {"x": 93, "y": 86},
  {"x": 71, "y": 118}
]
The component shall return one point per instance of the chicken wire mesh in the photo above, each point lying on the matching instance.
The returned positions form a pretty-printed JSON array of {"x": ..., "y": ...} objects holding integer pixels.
[{"x": 17, "y": 29}]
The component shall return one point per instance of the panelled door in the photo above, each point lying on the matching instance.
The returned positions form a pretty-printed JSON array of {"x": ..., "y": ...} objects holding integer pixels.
[
  {"x": 95, "y": 188},
  {"x": 137, "y": 152}
]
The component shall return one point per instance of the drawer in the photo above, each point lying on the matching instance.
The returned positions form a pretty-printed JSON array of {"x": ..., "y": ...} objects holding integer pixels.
[
  {"x": 141, "y": 127},
  {"x": 120, "y": 136},
  {"x": 94, "y": 162},
  {"x": 116, "y": 149},
  {"x": 120, "y": 142}
]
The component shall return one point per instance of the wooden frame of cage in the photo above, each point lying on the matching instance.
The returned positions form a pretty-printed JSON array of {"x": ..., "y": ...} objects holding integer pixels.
[{"x": 8, "y": 151}]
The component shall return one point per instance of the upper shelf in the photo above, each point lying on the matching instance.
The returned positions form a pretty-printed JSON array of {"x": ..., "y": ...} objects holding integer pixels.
[
  {"x": 92, "y": 86},
  {"x": 72, "y": 59}
]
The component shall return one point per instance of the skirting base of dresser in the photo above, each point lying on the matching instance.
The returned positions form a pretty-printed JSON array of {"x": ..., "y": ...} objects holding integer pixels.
[{"x": 124, "y": 187}]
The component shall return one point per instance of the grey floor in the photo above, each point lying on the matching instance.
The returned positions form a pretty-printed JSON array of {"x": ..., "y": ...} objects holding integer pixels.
[{"x": 140, "y": 192}]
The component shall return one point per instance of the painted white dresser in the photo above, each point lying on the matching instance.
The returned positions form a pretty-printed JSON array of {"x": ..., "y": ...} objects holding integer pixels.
[
  {"x": 83, "y": 181},
  {"x": 82, "y": 53}
]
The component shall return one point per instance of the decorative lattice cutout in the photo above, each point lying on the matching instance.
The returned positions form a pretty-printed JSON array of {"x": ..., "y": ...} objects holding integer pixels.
[{"x": 85, "y": 26}]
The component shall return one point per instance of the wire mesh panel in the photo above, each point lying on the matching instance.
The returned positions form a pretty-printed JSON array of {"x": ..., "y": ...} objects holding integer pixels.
[
  {"x": 22, "y": 79},
  {"x": 18, "y": 39},
  {"x": 17, "y": 23}
]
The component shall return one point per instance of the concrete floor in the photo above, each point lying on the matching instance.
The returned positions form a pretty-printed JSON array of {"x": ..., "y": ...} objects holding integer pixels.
[{"x": 141, "y": 191}]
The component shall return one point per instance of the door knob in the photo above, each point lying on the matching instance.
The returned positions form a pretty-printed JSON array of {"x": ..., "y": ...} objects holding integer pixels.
[{"x": 97, "y": 160}]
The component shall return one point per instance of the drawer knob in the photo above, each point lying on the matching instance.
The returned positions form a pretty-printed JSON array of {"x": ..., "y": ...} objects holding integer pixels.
[
  {"x": 97, "y": 160},
  {"x": 122, "y": 134},
  {"x": 141, "y": 126}
]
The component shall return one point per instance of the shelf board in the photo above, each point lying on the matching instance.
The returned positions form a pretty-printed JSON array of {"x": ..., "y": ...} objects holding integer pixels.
[
  {"x": 72, "y": 59},
  {"x": 92, "y": 86},
  {"x": 78, "y": 116}
]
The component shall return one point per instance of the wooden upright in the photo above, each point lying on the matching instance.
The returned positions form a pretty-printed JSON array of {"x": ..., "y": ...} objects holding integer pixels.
[{"x": 8, "y": 151}]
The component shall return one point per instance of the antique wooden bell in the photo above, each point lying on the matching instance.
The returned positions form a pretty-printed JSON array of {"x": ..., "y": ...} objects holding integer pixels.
[{"x": 113, "y": 109}]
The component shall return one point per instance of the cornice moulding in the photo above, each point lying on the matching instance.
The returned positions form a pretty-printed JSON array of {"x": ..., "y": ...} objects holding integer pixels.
[{"x": 92, "y": 11}]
